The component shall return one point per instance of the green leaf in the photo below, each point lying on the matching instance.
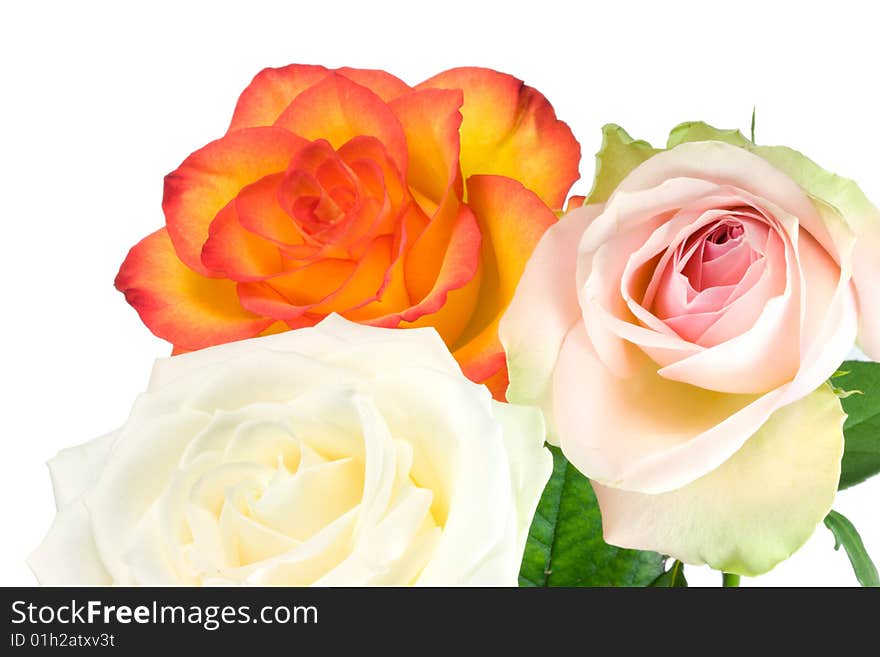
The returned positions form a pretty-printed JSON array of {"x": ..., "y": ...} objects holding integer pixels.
[
  {"x": 847, "y": 536},
  {"x": 618, "y": 155},
  {"x": 672, "y": 578},
  {"x": 565, "y": 546},
  {"x": 534, "y": 570},
  {"x": 699, "y": 131},
  {"x": 861, "y": 431}
]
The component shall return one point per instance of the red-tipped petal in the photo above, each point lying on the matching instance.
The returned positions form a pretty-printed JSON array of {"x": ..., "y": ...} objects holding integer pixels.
[
  {"x": 288, "y": 296},
  {"x": 575, "y": 202},
  {"x": 510, "y": 129},
  {"x": 384, "y": 85},
  {"x": 337, "y": 109},
  {"x": 236, "y": 252},
  {"x": 512, "y": 219},
  {"x": 498, "y": 382},
  {"x": 179, "y": 305},
  {"x": 449, "y": 303},
  {"x": 431, "y": 120},
  {"x": 270, "y": 92},
  {"x": 213, "y": 176},
  {"x": 273, "y": 89}
]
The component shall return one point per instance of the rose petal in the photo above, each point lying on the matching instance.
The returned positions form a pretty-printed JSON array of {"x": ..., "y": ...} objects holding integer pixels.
[
  {"x": 510, "y": 129},
  {"x": 675, "y": 433},
  {"x": 179, "y": 305},
  {"x": 236, "y": 252},
  {"x": 381, "y": 83},
  {"x": 724, "y": 164},
  {"x": 336, "y": 483},
  {"x": 74, "y": 469},
  {"x": 273, "y": 89},
  {"x": 449, "y": 302},
  {"x": 765, "y": 356},
  {"x": 512, "y": 220},
  {"x": 55, "y": 563},
  {"x": 532, "y": 345},
  {"x": 259, "y": 211},
  {"x": 144, "y": 457},
  {"x": 290, "y": 295},
  {"x": 853, "y": 215},
  {"x": 642, "y": 431},
  {"x": 367, "y": 282},
  {"x": 337, "y": 109},
  {"x": 451, "y": 451},
  {"x": 332, "y": 339},
  {"x": 626, "y": 223},
  {"x": 755, "y": 509},
  {"x": 431, "y": 120},
  {"x": 214, "y": 175},
  {"x": 530, "y": 464},
  {"x": 305, "y": 563}
]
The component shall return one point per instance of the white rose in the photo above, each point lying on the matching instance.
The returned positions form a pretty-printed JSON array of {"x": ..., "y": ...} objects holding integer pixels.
[{"x": 334, "y": 455}]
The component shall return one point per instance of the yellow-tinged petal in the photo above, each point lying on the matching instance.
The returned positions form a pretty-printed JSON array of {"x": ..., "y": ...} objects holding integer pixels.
[
  {"x": 754, "y": 510},
  {"x": 273, "y": 89},
  {"x": 179, "y": 305},
  {"x": 213, "y": 176},
  {"x": 431, "y": 121},
  {"x": 510, "y": 129},
  {"x": 512, "y": 219}
]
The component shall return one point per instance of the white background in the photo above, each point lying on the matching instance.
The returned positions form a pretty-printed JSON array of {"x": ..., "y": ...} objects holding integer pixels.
[{"x": 100, "y": 100}]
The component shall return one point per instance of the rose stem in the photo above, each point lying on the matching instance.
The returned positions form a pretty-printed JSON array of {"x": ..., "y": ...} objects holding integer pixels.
[{"x": 729, "y": 580}]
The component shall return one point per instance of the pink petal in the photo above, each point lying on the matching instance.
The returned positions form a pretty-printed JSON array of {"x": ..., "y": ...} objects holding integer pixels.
[{"x": 543, "y": 309}]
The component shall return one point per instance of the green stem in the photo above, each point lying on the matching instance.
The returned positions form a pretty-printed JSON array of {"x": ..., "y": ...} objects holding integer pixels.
[{"x": 729, "y": 580}]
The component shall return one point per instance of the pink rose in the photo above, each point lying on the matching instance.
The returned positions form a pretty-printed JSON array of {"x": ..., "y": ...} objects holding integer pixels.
[{"x": 679, "y": 338}]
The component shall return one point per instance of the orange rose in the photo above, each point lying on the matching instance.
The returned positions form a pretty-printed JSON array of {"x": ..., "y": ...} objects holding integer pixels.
[{"x": 348, "y": 191}]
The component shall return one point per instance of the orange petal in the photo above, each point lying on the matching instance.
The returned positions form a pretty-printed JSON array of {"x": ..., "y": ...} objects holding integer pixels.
[
  {"x": 449, "y": 304},
  {"x": 342, "y": 199},
  {"x": 384, "y": 85},
  {"x": 323, "y": 287},
  {"x": 498, "y": 382},
  {"x": 273, "y": 89},
  {"x": 277, "y": 327},
  {"x": 575, "y": 202},
  {"x": 510, "y": 129},
  {"x": 288, "y": 296},
  {"x": 383, "y": 308},
  {"x": 179, "y": 305},
  {"x": 367, "y": 149},
  {"x": 212, "y": 176},
  {"x": 392, "y": 296},
  {"x": 303, "y": 192},
  {"x": 387, "y": 206},
  {"x": 238, "y": 253},
  {"x": 367, "y": 281},
  {"x": 270, "y": 92},
  {"x": 425, "y": 258},
  {"x": 431, "y": 121},
  {"x": 260, "y": 212},
  {"x": 337, "y": 109},
  {"x": 512, "y": 219}
]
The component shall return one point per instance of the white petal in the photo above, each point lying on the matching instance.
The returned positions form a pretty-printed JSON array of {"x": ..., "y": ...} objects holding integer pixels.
[
  {"x": 74, "y": 469},
  {"x": 144, "y": 459},
  {"x": 530, "y": 463},
  {"x": 68, "y": 556}
]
